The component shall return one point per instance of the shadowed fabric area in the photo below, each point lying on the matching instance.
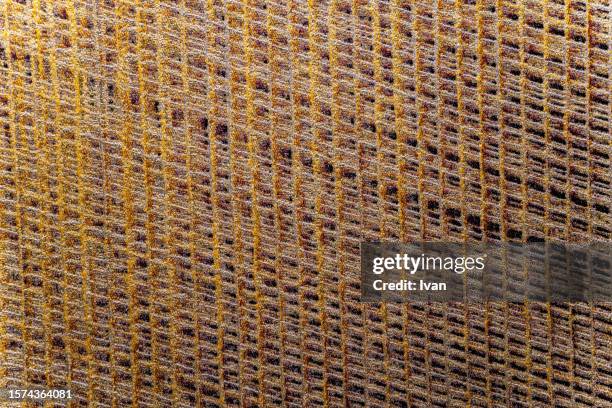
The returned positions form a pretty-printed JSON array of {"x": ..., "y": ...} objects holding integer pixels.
[{"x": 184, "y": 186}]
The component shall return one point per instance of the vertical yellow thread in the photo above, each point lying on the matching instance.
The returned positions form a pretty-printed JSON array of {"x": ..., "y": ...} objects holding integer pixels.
[
  {"x": 481, "y": 119},
  {"x": 3, "y": 236},
  {"x": 461, "y": 146},
  {"x": 366, "y": 308},
  {"x": 439, "y": 129},
  {"x": 59, "y": 155},
  {"x": 126, "y": 140},
  {"x": 238, "y": 250},
  {"x": 298, "y": 196},
  {"x": 483, "y": 185},
  {"x": 442, "y": 168},
  {"x": 338, "y": 192},
  {"x": 568, "y": 140},
  {"x": 313, "y": 74},
  {"x": 4, "y": 281},
  {"x": 236, "y": 202},
  {"x": 107, "y": 246},
  {"x": 420, "y": 119},
  {"x": 192, "y": 223},
  {"x": 523, "y": 88},
  {"x": 500, "y": 100},
  {"x": 166, "y": 149},
  {"x": 15, "y": 83},
  {"x": 107, "y": 194},
  {"x": 421, "y": 110},
  {"x": 358, "y": 126},
  {"x": 593, "y": 359},
  {"x": 82, "y": 199},
  {"x": 547, "y": 122},
  {"x": 547, "y": 197},
  {"x": 273, "y": 43},
  {"x": 502, "y": 179},
  {"x": 462, "y": 141},
  {"x": 148, "y": 184},
  {"x": 213, "y": 114},
  {"x": 42, "y": 169},
  {"x": 589, "y": 114},
  {"x": 500, "y": 122},
  {"x": 525, "y": 193},
  {"x": 566, "y": 117},
  {"x": 594, "y": 380},
  {"x": 255, "y": 215},
  {"x": 398, "y": 108},
  {"x": 122, "y": 81},
  {"x": 378, "y": 111},
  {"x": 378, "y": 120}
]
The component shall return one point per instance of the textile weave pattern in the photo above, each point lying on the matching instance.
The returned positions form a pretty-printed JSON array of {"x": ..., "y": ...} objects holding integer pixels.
[{"x": 184, "y": 186}]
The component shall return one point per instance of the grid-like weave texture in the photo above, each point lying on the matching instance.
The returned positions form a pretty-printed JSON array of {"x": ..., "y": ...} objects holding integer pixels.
[{"x": 184, "y": 186}]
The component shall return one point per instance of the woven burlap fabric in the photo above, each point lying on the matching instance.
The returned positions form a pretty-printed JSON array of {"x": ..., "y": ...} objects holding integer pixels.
[{"x": 184, "y": 186}]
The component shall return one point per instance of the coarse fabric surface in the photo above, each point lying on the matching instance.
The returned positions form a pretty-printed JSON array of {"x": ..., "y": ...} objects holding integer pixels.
[{"x": 184, "y": 186}]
